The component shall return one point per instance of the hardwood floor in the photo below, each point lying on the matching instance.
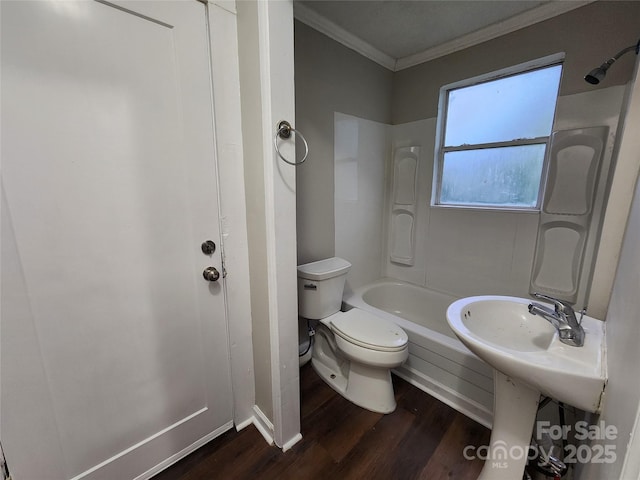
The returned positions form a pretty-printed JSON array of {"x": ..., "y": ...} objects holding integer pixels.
[{"x": 422, "y": 439}]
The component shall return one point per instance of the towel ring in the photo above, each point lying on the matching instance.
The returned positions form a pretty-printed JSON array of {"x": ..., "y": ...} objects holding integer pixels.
[{"x": 284, "y": 131}]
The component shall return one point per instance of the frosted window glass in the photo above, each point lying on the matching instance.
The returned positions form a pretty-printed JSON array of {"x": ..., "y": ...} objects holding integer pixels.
[
  {"x": 510, "y": 108},
  {"x": 503, "y": 177}
]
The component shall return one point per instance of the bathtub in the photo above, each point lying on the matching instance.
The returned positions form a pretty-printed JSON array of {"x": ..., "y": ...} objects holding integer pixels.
[{"x": 438, "y": 362}]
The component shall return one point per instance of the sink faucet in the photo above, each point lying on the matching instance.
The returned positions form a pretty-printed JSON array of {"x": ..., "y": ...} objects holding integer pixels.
[{"x": 563, "y": 317}]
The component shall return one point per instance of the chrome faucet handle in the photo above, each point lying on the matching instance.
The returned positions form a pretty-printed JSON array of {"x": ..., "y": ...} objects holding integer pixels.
[{"x": 559, "y": 305}]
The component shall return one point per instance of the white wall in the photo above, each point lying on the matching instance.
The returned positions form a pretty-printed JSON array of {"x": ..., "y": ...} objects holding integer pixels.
[
  {"x": 419, "y": 134},
  {"x": 361, "y": 149},
  {"x": 627, "y": 165},
  {"x": 622, "y": 395},
  {"x": 462, "y": 251},
  {"x": 592, "y": 109}
]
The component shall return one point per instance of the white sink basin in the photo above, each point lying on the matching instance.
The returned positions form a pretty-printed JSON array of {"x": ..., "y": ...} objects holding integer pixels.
[
  {"x": 529, "y": 359},
  {"x": 502, "y": 332}
]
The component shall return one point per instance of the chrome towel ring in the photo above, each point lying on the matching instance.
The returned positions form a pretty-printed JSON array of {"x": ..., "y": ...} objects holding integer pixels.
[{"x": 284, "y": 131}]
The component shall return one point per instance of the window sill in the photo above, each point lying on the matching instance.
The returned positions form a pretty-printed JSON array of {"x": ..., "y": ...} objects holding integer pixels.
[{"x": 534, "y": 210}]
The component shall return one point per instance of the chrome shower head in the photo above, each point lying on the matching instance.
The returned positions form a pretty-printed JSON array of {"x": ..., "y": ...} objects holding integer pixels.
[{"x": 597, "y": 74}]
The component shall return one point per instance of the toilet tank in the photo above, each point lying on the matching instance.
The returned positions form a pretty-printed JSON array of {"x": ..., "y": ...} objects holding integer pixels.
[{"x": 320, "y": 287}]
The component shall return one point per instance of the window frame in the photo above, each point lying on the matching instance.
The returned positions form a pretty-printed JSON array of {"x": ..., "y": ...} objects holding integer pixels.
[{"x": 441, "y": 149}]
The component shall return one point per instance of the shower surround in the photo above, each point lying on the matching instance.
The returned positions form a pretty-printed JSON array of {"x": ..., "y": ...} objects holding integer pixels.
[{"x": 387, "y": 229}]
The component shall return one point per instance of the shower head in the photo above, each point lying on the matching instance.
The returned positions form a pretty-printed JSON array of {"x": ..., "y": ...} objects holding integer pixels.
[{"x": 597, "y": 74}]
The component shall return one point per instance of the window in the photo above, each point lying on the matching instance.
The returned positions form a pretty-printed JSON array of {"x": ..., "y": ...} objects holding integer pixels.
[{"x": 492, "y": 137}]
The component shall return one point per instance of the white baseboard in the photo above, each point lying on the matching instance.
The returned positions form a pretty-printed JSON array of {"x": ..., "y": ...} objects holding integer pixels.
[
  {"x": 265, "y": 427},
  {"x": 183, "y": 453},
  {"x": 244, "y": 424},
  {"x": 263, "y": 424},
  {"x": 287, "y": 445}
]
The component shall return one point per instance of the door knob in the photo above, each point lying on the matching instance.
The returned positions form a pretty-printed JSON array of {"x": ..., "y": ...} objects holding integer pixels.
[{"x": 210, "y": 274}]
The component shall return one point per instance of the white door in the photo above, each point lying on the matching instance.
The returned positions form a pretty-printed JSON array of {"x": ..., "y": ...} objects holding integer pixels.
[{"x": 114, "y": 347}]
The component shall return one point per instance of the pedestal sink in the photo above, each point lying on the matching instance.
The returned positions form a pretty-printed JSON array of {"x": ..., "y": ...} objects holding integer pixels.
[{"x": 529, "y": 360}]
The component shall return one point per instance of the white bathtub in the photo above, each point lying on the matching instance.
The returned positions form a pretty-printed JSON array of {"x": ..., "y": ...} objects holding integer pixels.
[{"x": 438, "y": 363}]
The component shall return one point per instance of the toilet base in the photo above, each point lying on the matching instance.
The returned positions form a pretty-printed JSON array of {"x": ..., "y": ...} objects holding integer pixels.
[{"x": 367, "y": 387}]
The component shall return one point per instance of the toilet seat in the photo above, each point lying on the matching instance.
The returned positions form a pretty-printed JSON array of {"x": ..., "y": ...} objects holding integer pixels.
[{"x": 368, "y": 331}]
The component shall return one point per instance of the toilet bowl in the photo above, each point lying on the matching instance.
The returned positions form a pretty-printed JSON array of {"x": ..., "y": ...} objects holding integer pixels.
[
  {"x": 354, "y": 351},
  {"x": 358, "y": 364}
]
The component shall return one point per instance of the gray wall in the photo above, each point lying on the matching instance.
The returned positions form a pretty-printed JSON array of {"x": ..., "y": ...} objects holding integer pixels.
[
  {"x": 329, "y": 78},
  {"x": 588, "y": 35}
]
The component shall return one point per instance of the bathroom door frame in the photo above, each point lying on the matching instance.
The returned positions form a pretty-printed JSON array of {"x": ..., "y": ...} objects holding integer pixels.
[{"x": 223, "y": 45}]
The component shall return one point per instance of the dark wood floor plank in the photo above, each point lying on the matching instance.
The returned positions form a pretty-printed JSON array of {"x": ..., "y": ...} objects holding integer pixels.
[
  {"x": 306, "y": 461},
  {"x": 423, "y": 438},
  {"x": 238, "y": 458},
  {"x": 340, "y": 440},
  {"x": 372, "y": 457},
  {"x": 432, "y": 422},
  {"x": 400, "y": 386},
  {"x": 448, "y": 461},
  {"x": 313, "y": 392},
  {"x": 338, "y": 425}
]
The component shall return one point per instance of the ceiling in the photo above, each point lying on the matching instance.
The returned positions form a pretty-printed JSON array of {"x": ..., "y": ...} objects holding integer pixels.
[{"x": 399, "y": 33}]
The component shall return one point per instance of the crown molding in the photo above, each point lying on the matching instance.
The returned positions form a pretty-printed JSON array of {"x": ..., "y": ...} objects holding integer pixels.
[
  {"x": 525, "y": 19},
  {"x": 340, "y": 35},
  {"x": 316, "y": 21}
]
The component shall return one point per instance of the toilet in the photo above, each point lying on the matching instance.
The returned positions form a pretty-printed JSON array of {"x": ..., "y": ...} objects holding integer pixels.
[{"x": 353, "y": 351}]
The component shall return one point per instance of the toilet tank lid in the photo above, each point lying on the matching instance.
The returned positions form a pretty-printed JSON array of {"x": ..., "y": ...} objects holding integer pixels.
[{"x": 324, "y": 269}]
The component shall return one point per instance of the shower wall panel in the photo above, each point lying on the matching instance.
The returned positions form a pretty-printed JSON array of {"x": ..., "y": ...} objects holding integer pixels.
[
  {"x": 361, "y": 148},
  {"x": 408, "y": 189},
  {"x": 561, "y": 268},
  {"x": 404, "y": 195}
]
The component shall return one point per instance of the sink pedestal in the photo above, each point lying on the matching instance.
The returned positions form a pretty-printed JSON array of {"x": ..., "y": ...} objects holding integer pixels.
[{"x": 515, "y": 407}]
